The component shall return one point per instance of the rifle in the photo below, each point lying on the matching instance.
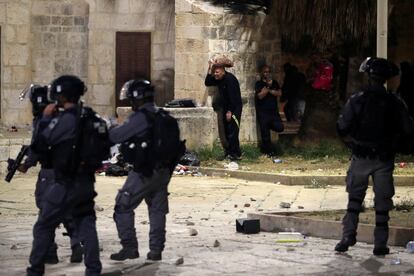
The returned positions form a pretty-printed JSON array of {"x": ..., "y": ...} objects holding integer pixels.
[{"x": 14, "y": 164}]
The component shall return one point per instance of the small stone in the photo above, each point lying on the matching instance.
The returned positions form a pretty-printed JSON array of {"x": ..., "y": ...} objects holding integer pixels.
[
  {"x": 225, "y": 211},
  {"x": 284, "y": 205},
  {"x": 189, "y": 223},
  {"x": 13, "y": 247},
  {"x": 247, "y": 205},
  {"x": 235, "y": 205},
  {"x": 216, "y": 243},
  {"x": 241, "y": 211},
  {"x": 260, "y": 210},
  {"x": 290, "y": 249},
  {"x": 204, "y": 219},
  {"x": 252, "y": 199},
  {"x": 144, "y": 222},
  {"x": 192, "y": 232},
  {"x": 301, "y": 207},
  {"x": 98, "y": 208},
  {"x": 179, "y": 261}
]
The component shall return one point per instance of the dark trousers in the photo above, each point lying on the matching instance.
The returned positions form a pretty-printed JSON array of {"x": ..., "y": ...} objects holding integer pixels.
[
  {"x": 231, "y": 131},
  {"x": 356, "y": 186},
  {"x": 58, "y": 202},
  {"x": 45, "y": 179},
  {"x": 136, "y": 189},
  {"x": 268, "y": 120}
]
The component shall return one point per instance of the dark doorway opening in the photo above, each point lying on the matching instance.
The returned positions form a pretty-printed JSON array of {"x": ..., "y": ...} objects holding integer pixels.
[{"x": 133, "y": 59}]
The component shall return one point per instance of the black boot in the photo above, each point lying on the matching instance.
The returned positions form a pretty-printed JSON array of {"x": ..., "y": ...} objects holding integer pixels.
[
  {"x": 77, "y": 254},
  {"x": 346, "y": 242},
  {"x": 154, "y": 255},
  {"x": 380, "y": 251},
  {"x": 125, "y": 253},
  {"x": 52, "y": 259}
]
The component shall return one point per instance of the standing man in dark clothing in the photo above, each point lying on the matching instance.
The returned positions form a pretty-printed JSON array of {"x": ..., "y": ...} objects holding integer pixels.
[
  {"x": 267, "y": 92},
  {"x": 144, "y": 182},
  {"x": 229, "y": 90},
  {"x": 38, "y": 97},
  {"x": 369, "y": 124},
  {"x": 73, "y": 189}
]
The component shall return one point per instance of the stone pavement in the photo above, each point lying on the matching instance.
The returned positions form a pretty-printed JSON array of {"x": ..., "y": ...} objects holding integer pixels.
[{"x": 208, "y": 205}]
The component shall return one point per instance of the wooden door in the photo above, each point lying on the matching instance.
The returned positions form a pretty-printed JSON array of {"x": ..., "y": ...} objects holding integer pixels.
[{"x": 133, "y": 59}]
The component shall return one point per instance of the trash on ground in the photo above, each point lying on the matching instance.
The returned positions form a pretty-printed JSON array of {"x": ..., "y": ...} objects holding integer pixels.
[
  {"x": 277, "y": 161},
  {"x": 248, "y": 226},
  {"x": 285, "y": 205},
  {"x": 402, "y": 165},
  {"x": 233, "y": 166},
  {"x": 396, "y": 261},
  {"x": 410, "y": 247},
  {"x": 189, "y": 159},
  {"x": 289, "y": 238},
  {"x": 12, "y": 129}
]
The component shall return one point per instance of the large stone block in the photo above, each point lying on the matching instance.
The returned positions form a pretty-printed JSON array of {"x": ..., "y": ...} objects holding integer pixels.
[
  {"x": 41, "y": 20},
  {"x": 102, "y": 94},
  {"x": 162, "y": 51},
  {"x": 122, "y": 6},
  {"x": 194, "y": 32},
  {"x": 182, "y": 6},
  {"x": 7, "y": 74},
  {"x": 16, "y": 54},
  {"x": 2, "y": 13},
  {"x": 192, "y": 45},
  {"x": 17, "y": 13},
  {"x": 102, "y": 54},
  {"x": 106, "y": 6},
  {"x": 197, "y": 125},
  {"x": 10, "y": 33},
  {"x": 217, "y": 45},
  {"x": 77, "y": 41},
  {"x": 23, "y": 34},
  {"x": 21, "y": 74},
  {"x": 106, "y": 74}
]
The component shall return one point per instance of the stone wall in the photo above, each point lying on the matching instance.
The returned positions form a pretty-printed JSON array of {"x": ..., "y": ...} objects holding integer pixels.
[
  {"x": 106, "y": 18},
  {"x": 203, "y": 31},
  {"x": 15, "y": 59}
]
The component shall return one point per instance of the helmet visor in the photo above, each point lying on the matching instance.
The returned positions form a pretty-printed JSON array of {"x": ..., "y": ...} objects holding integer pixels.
[
  {"x": 364, "y": 67},
  {"x": 124, "y": 91},
  {"x": 25, "y": 94}
]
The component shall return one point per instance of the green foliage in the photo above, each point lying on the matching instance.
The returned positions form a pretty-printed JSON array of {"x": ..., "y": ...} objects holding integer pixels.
[
  {"x": 214, "y": 153},
  {"x": 323, "y": 149},
  {"x": 250, "y": 152}
]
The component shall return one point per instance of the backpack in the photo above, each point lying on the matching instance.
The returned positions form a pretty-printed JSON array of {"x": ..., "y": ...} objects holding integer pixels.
[
  {"x": 165, "y": 147},
  {"x": 93, "y": 145},
  {"x": 324, "y": 76}
]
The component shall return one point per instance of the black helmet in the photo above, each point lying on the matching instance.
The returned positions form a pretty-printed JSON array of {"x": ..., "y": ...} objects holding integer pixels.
[
  {"x": 137, "y": 90},
  {"x": 67, "y": 85},
  {"x": 379, "y": 68},
  {"x": 38, "y": 97}
]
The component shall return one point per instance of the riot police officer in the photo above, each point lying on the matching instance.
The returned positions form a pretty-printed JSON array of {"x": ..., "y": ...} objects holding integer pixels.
[
  {"x": 370, "y": 123},
  {"x": 73, "y": 189},
  {"x": 46, "y": 177},
  {"x": 143, "y": 182}
]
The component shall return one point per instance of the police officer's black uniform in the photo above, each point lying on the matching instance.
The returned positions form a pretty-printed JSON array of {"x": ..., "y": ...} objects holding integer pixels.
[
  {"x": 369, "y": 124},
  {"x": 143, "y": 183},
  {"x": 229, "y": 90},
  {"x": 46, "y": 176},
  {"x": 73, "y": 189},
  {"x": 267, "y": 112}
]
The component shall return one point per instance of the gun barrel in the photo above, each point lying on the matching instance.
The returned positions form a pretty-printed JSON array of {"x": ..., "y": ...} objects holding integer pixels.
[{"x": 16, "y": 163}]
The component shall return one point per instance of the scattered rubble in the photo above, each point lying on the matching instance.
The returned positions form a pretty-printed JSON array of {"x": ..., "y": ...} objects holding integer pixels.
[
  {"x": 216, "y": 243},
  {"x": 285, "y": 205},
  {"x": 247, "y": 205},
  {"x": 189, "y": 223},
  {"x": 192, "y": 232},
  {"x": 179, "y": 261}
]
